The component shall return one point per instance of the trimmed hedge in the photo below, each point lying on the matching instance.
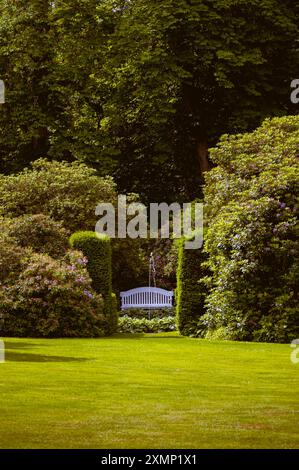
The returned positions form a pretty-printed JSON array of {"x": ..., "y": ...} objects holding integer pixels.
[
  {"x": 97, "y": 249},
  {"x": 190, "y": 292}
]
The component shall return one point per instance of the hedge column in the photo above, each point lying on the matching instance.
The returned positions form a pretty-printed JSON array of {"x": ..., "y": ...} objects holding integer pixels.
[
  {"x": 190, "y": 293},
  {"x": 97, "y": 249}
]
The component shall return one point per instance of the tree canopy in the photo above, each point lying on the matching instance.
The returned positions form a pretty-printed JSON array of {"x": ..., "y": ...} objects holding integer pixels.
[{"x": 183, "y": 73}]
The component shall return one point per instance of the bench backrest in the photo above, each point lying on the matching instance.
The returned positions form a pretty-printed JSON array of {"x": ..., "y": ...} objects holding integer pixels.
[{"x": 146, "y": 297}]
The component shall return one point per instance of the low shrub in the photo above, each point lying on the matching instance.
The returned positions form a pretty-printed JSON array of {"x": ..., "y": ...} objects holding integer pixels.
[
  {"x": 219, "y": 334},
  {"x": 52, "y": 298},
  {"x": 143, "y": 325},
  {"x": 146, "y": 313}
]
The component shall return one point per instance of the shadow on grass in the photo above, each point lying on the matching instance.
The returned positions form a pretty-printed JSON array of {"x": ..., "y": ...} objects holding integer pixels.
[
  {"x": 142, "y": 336},
  {"x": 27, "y": 357},
  {"x": 20, "y": 345},
  {"x": 13, "y": 353}
]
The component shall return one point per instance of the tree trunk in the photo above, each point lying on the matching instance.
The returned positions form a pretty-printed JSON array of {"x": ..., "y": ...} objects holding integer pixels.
[{"x": 203, "y": 156}]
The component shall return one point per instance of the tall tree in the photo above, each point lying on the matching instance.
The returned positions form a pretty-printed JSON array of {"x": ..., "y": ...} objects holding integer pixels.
[
  {"x": 183, "y": 72},
  {"x": 49, "y": 55},
  {"x": 26, "y": 55},
  {"x": 82, "y": 30}
]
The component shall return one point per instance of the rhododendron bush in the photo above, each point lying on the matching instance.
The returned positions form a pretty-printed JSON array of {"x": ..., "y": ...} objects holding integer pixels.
[
  {"x": 52, "y": 298},
  {"x": 252, "y": 238}
]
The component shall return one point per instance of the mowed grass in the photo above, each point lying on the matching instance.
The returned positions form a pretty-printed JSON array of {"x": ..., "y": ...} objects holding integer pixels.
[{"x": 148, "y": 391}]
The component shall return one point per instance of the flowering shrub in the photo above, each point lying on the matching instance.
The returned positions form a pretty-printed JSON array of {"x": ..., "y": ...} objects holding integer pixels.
[
  {"x": 252, "y": 238},
  {"x": 52, "y": 298}
]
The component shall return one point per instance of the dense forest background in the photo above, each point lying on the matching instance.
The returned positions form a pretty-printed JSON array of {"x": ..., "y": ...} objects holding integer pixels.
[{"x": 140, "y": 89}]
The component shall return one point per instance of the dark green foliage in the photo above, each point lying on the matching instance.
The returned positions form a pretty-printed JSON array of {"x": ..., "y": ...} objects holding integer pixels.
[
  {"x": 49, "y": 55},
  {"x": 252, "y": 238},
  {"x": 179, "y": 74},
  {"x": 26, "y": 65},
  {"x": 190, "y": 292},
  {"x": 97, "y": 249},
  {"x": 130, "y": 264},
  {"x": 144, "y": 325}
]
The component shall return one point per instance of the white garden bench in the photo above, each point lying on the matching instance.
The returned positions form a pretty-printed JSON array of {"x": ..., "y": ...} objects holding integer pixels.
[{"x": 146, "y": 297}]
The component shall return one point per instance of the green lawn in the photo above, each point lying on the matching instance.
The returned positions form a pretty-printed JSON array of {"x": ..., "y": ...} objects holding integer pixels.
[{"x": 148, "y": 391}]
